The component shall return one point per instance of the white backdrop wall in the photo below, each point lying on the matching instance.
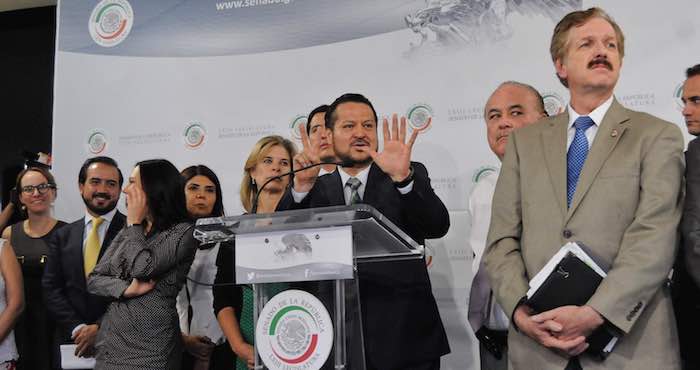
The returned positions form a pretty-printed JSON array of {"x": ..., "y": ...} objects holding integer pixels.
[{"x": 198, "y": 82}]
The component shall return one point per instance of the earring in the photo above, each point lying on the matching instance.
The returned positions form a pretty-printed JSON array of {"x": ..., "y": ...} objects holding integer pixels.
[{"x": 252, "y": 181}]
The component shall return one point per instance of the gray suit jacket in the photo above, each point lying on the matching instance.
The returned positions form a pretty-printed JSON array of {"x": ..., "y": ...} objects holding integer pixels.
[{"x": 626, "y": 209}]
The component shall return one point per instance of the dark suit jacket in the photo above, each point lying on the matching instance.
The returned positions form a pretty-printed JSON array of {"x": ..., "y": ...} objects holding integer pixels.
[
  {"x": 64, "y": 279},
  {"x": 400, "y": 319}
]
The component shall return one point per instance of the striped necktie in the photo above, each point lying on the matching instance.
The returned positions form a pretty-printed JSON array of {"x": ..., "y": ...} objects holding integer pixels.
[
  {"x": 354, "y": 184},
  {"x": 576, "y": 157}
]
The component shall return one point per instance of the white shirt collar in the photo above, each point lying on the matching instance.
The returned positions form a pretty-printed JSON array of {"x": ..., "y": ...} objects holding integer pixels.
[
  {"x": 324, "y": 172},
  {"x": 107, "y": 216},
  {"x": 362, "y": 175},
  {"x": 597, "y": 115}
]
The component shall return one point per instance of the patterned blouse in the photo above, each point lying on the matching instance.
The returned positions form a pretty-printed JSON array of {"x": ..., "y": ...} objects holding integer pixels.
[{"x": 142, "y": 332}]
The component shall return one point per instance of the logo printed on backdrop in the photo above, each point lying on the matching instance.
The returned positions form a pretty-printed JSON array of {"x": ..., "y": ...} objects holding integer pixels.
[
  {"x": 456, "y": 114},
  {"x": 294, "y": 125},
  {"x": 194, "y": 135},
  {"x": 553, "y": 103},
  {"x": 636, "y": 101},
  {"x": 677, "y": 95},
  {"x": 110, "y": 22},
  {"x": 483, "y": 171},
  {"x": 294, "y": 331},
  {"x": 96, "y": 142},
  {"x": 419, "y": 117}
]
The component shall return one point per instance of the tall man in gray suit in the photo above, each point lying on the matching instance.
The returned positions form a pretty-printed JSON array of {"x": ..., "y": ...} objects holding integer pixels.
[
  {"x": 602, "y": 175},
  {"x": 74, "y": 251}
]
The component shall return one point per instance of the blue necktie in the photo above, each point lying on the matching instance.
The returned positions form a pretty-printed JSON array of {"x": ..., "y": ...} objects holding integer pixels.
[{"x": 578, "y": 151}]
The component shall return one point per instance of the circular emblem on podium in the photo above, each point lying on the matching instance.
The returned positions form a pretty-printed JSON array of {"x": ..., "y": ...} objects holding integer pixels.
[
  {"x": 110, "y": 22},
  {"x": 294, "y": 331}
]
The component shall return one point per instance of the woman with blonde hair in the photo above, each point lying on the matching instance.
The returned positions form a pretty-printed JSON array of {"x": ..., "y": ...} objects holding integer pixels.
[{"x": 271, "y": 156}]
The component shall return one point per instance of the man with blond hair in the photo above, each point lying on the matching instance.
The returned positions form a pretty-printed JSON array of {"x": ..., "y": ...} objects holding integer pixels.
[{"x": 607, "y": 177}]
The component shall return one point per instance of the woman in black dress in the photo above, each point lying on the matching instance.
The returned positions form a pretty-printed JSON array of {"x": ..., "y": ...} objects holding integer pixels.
[{"x": 34, "y": 332}]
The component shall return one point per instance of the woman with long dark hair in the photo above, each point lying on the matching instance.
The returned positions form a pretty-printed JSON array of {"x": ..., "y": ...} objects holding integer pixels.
[
  {"x": 205, "y": 344},
  {"x": 271, "y": 156},
  {"x": 143, "y": 271}
]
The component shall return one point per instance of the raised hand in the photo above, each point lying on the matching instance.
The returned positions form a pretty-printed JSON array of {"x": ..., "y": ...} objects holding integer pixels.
[
  {"x": 395, "y": 158},
  {"x": 305, "y": 180},
  {"x": 136, "y": 208}
]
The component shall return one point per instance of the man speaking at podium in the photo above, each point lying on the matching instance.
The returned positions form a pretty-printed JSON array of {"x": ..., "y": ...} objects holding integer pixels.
[
  {"x": 401, "y": 323},
  {"x": 602, "y": 175}
]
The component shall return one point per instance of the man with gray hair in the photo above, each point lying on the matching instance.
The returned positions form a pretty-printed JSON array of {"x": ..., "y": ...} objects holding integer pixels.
[{"x": 511, "y": 106}]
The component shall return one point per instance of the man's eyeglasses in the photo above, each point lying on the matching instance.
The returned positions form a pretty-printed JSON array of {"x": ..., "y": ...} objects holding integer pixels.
[{"x": 42, "y": 188}]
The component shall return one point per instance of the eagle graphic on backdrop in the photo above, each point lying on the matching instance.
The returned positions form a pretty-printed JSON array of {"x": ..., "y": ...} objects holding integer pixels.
[{"x": 468, "y": 23}]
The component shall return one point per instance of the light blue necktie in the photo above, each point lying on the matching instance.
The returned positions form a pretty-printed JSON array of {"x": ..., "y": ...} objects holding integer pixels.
[{"x": 578, "y": 151}]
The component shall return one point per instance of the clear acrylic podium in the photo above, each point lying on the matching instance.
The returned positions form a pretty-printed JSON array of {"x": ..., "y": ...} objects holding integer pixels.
[{"x": 373, "y": 238}]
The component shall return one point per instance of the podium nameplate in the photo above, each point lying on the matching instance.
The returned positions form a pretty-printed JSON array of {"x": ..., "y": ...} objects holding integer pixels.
[{"x": 298, "y": 255}]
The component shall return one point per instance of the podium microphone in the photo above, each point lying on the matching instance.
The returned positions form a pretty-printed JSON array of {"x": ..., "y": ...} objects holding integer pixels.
[{"x": 343, "y": 163}]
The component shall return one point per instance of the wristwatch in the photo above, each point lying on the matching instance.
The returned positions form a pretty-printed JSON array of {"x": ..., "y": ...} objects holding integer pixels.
[{"x": 403, "y": 183}]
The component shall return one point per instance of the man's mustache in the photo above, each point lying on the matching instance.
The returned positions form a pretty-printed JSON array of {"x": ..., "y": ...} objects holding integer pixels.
[{"x": 602, "y": 61}]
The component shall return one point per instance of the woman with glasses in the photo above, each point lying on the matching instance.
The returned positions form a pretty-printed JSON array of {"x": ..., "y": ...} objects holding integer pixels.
[
  {"x": 36, "y": 192},
  {"x": 271, "y": 156},
  {"x": 142, "y": 273}
]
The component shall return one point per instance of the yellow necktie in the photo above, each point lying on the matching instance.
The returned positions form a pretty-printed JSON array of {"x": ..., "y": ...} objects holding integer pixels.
[{"x": 92, "y": 246}]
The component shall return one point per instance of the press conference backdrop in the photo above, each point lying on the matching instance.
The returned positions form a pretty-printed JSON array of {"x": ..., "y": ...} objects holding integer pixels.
[{"x": 200, "y": 81}]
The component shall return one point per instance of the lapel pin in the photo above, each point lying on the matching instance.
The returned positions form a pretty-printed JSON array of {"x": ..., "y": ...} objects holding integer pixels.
[{"x": 613, "y": 133}]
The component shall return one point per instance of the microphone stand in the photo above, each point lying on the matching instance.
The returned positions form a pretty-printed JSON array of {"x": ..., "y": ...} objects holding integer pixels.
[{"x": 254, "y": 208}]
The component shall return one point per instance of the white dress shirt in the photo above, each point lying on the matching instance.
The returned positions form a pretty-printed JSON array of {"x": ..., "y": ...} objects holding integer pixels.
[
  {"x": 344, "y": 176},
  {"x": 596, "y": 115},
  {"x": 485, "y": 308},
  {"x": 204, "y": 322},
  {"x": 101, "y": 230}
]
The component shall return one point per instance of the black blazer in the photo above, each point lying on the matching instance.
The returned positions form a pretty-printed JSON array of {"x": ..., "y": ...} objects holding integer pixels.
[
  {"x": 65, "y": 292},
  {"x": 400, "y": 318}
]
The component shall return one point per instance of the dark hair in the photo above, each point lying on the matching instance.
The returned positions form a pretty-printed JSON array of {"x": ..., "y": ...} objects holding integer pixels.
[
  {"x": 320, "y": 109},
  {"x": 202, "y": 170},
  {"x": 165, "y": 193},
  {"x": 346, "y": 98},
  {"x": 693, "y": 71},
  {"x": 82, "y": 174}
]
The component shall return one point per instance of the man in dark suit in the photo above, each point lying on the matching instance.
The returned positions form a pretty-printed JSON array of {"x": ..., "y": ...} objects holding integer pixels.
[
  {"x": 75, "y": 249},
  {"x": 686, "y": 273},
  {"x": 401, "y": 323}
]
